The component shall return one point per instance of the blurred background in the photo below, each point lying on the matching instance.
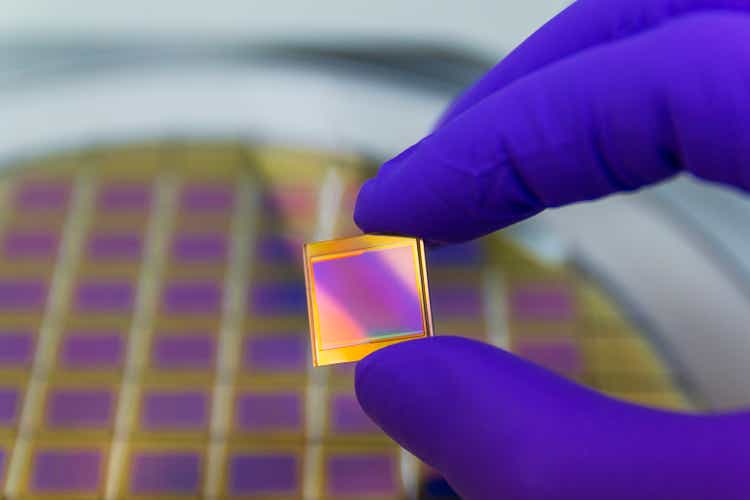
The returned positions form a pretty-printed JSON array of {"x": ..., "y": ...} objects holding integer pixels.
[{"x": 163, "y": 163}]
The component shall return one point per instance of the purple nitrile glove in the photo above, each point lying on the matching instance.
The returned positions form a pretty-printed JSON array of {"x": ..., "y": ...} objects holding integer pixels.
[
  {"x": 499, "y": 427},
  {"x": 609, "y": 96},
  {"x": 645, "y": 94}
]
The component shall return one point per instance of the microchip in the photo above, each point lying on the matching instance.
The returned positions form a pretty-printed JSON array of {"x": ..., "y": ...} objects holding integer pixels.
[{"x": 364, "y": 293}]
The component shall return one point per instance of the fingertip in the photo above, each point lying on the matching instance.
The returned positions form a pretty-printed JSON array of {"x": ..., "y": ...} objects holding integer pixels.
[
  {"x": 379, "y": 206},
  {"x": 392, "y": 378},
  {"x": 458, "y": 404},
  {"x": 376, "y": 373},
  {"x": 423, "y": 394}
]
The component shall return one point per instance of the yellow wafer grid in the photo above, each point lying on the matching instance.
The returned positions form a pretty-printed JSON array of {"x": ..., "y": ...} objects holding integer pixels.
[{"x": 154, "y": 337}]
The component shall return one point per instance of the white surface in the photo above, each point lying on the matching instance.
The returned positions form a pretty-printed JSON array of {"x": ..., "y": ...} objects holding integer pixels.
[
  {"x": 697, "y": 311},
  {"x": 721, "y": 213},
  {"x": 289, "y": 105},
  {"x": 489, "y": 26}
]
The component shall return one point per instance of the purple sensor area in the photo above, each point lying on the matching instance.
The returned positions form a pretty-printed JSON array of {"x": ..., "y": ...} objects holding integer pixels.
[
  {"x": 92, "y": 351},
  {"x": 165, "y": 473},
  {"x": 79, "y": 408},
  {"x": 16, "y": 349},
  {"x": 207, "y": 198},
  {"x": 115, "y": 246},
  {"x": 23, "y": 295},
  {"x": 183, "y": 352},
  {"x": 267, "y": 299},
  {"x": 184, "y": 411},
  {"x": 560, "y": 355},
  {"x": 256, "y": 474},
  {"x": 347, "y": 416},
  {"x": 283, "y": 353},
  {"x": 542, "y": 303},
  {"x": 9, "y": 401},
  {"x": 209, "y": 248},
  {"x": 365, "y": 297},
  {"x": 42, "y": 195},
  {"x": 201, "y": 297},
  {"x": 125, "y": 197},
  {"x": 67, "y": 471},
  {"x": 357, "y": 475},
  {"x": 93, "y": 297},
  {"x": 456, "y": 300},
  {"x": 269, "y": 412},
  {"x": 30, "y": 245}
]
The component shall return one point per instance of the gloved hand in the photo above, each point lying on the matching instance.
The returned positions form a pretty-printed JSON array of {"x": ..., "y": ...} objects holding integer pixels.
[{"x": 611, "y": 95}]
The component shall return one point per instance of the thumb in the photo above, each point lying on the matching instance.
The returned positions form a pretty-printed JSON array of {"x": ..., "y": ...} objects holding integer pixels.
[{"x": 499, "y": 427}]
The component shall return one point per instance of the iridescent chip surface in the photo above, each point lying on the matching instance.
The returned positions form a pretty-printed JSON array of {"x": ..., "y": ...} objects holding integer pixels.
[
  {"x": 369, "y": 296},
  {"x": 363, "y": 293}
]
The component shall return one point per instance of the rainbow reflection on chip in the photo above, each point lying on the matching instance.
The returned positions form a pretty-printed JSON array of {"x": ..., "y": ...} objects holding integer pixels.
[{"x": 365, "y": 293}]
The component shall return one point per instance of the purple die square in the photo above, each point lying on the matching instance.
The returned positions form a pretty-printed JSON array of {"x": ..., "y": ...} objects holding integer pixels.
[
  {"x": 43, "y": 195},
  {"x": 279, "y": 249},
  {"x": 22, "y": 294},
  {"x": 286, "y": 297},
  {"x": 9, "y": 401},
  {"x": 347, "y": 416},
  {"x": 104, "y": 296},
  {"x": 175, "y": 473},
  {"x": 192, "y": 297},
  {"x": 92, "y": 351},
  {"x": 16, "y": 349},
  {"x": 297, "y": 202},
  {"x": 256, "y": 474},
  {"x": 64, "y": 471},
  {"x": 115, "y": 246},
  {"x": 282, "y": 353},
  {"x": 203, "y": 247},
  {"x": 456, "y": 300},
  {"x": 207, "y": 198},
  {"x": 547, "y": 302},
  {"x": 124, "y": 197},
  {"x": 560, "y": 355},
  {"x": 466, "y": 254},
  {"x": 357, "y": 475},
  {"x": 270, "y": 412},
  {"x": 183, "y": 351},
  {"x": 172, "y": 410},
  {"x": 79, "y": 408},
  {"x": 349, "y": 199},
  {"x": 30, "y": 244}
]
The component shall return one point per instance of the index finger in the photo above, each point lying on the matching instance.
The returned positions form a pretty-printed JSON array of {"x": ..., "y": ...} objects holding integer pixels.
[
  {"x": 582, "y": 25},
  {"x": 613, "y": 118}
]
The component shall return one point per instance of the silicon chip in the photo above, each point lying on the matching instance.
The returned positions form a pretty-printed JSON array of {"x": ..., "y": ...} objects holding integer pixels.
[{"x": 365, "y": 293}]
